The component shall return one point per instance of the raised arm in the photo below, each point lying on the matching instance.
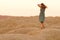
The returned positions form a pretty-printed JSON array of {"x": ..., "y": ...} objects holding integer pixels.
[
  {"x": 38, "y": 5},
  {"x": 42, "y": 6}
]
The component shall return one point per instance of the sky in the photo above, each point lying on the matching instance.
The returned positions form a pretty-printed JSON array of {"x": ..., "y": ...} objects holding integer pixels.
[{"x": 29, "y": 7}]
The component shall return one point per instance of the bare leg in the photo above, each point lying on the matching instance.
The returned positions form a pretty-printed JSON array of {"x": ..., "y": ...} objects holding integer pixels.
[{"x": 42, "y": 25}]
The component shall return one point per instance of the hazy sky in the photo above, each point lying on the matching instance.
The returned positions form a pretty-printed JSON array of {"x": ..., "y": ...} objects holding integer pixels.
[{"x": 28, "y": 7}]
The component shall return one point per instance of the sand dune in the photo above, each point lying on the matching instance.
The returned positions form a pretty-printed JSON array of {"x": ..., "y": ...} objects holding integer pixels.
[{"x": 28, "y": 28}]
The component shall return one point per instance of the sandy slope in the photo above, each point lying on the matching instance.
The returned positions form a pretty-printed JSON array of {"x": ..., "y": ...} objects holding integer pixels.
[
  {"x": 28, "y": 28},
  {"x": 45, "y": 34},
  {"x": 15, "y": 37}
]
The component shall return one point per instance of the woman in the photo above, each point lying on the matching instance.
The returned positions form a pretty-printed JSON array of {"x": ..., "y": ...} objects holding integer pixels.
[{"x": 42, "y": 14}]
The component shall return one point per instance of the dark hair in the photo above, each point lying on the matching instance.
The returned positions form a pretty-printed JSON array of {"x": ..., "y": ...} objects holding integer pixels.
[{"x": 42, "y": 4}]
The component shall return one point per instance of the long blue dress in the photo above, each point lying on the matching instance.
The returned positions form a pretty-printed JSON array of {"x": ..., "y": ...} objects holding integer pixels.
[{"x": 42, "y": 15}]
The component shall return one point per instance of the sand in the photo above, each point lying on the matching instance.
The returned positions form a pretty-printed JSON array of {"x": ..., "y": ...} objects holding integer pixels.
[{"x": 28, "y": 28}]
